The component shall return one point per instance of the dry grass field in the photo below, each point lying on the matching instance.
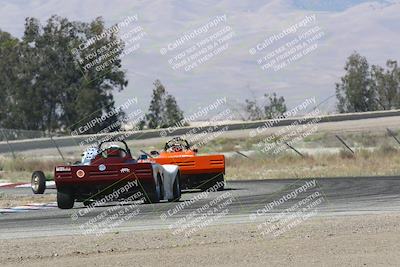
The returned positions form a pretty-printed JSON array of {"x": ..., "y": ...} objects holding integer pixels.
[
  {"x": 379, "y": 162},
  {"x": 376, "y": 154}
]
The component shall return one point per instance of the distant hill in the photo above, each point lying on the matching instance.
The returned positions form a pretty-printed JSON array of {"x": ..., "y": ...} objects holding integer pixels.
[{"x": 370, "y": 27}]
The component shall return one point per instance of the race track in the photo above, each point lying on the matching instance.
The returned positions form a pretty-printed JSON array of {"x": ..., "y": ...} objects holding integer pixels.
[{"x": 342, "y": 196}]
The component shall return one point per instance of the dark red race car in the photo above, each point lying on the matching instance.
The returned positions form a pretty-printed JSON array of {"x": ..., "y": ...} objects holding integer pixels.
[{"x": 109, "y": 172}]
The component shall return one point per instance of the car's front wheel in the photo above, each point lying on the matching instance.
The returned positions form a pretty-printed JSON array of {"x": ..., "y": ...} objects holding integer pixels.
[{"x": 65, "y": 198}]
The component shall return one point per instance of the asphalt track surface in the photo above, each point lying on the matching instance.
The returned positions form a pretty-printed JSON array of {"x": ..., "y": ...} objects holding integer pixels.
[{"x": 341, "y": 197}]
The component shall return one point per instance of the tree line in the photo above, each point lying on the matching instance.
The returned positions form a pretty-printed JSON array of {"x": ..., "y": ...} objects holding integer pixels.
[
  {"x": 363, "y": 87},
  {"x": 42, "y": 85},
  {"x": 164, "y": 110},
  {"x": 368, "y": 88}
]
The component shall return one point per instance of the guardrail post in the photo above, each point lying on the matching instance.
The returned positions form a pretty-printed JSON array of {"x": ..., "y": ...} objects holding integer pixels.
[
  {"x": 241, "y": 154},
  {"x": 295, "y": 150},
  {"x": 393, "y": 135},
  {"x": 8, "y": 144},
  {"x": 58, "y": 149},
  {"x": 344, "y": 143}
]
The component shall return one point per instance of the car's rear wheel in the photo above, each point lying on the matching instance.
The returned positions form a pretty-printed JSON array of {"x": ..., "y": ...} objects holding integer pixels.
[
  {"x": 65, "y": 198},
  {"x": 38, "y": 182},
  {"x": 176, "y": 190},
  {"x": 216, "y": 182},
  {"x": 221, "y": 182}
]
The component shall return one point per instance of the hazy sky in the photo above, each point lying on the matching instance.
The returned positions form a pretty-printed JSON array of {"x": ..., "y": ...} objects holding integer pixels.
[{"x": 339, "y": 27}]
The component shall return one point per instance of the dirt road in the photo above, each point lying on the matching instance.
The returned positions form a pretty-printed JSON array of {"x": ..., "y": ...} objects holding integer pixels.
[{"x": 368, "y": 240}]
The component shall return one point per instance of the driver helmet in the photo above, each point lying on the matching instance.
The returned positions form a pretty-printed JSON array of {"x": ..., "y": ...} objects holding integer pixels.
[
  {"x": 118, "y": 150},
  {"x": 177, "y": 145},
  {"x": 114, "y": 146}
]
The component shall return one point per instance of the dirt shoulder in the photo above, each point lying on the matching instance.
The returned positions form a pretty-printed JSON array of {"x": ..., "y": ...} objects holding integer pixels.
[
  {"x": 348, "y": 240},
  {"x": 10, "y": 200}
]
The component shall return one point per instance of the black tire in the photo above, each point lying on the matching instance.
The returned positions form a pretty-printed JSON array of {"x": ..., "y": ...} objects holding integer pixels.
[
  {"x": 176, "y": 190},
  {"x": 38, "y": 182},
  {"x": 87, "y": 203},
  {"x": 213, "y": 182},
  {"x": 161, "y": 188},
  {"x": 221, "y": 179},
  {"x": 65, "y": 199},
  {"x": 157, "y": 194}
]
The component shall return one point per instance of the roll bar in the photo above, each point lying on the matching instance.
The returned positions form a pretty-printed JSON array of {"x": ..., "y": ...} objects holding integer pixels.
[{"x": 115, "y": 140}]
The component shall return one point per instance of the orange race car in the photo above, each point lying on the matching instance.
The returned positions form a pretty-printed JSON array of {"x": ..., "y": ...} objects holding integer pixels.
[{"x": 196, "y": 171}]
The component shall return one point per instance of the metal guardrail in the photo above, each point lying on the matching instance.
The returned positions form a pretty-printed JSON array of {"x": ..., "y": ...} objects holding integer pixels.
[{"x": 65, "y": 141}]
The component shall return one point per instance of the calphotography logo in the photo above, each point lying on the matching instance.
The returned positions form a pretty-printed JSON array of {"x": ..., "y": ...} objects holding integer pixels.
[
  {"x": 289, "y": 210},
  {"x": 200, "y": 45},
  {"x": 289, "y": 45}
]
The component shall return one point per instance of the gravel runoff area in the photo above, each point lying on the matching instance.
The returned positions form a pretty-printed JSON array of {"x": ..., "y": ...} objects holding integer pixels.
[
  {"x": 10, "y": 200},
  {"x": 367, "y": 240}
]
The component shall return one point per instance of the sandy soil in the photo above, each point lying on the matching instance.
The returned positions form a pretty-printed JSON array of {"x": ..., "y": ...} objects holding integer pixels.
[{"x": 372, "y": 240}]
